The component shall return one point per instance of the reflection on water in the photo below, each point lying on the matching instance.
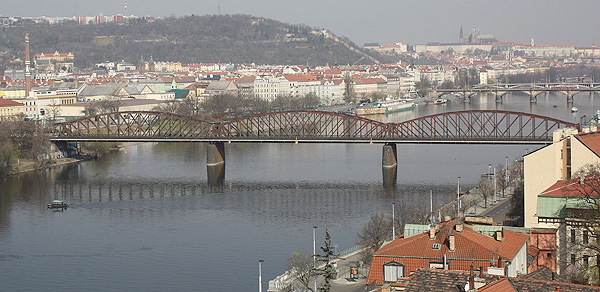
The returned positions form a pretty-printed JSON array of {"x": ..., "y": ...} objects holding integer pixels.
[{"x": 146, "y": 218}]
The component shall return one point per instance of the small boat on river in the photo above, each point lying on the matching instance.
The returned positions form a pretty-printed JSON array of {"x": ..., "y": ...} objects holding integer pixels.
[
  {"x": 440, "y": 101},
  {"x": 57, "y": 204},
  {"x": 574, "y": 109}
]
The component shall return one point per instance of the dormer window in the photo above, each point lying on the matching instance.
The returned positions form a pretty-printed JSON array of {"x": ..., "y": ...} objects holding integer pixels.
[{"x": 392, "y": 271}]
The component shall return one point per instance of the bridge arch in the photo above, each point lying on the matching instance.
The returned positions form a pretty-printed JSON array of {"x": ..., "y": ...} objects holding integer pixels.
[
  {"x": 479, "y": 126},
  {"x": 133, "y": 125},
  {"x": 295, "y": 125}
]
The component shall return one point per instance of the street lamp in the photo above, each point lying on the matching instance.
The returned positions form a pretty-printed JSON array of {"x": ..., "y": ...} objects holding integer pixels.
[
  {"x": 458, "y": 198},
  {"x": 505, "y": 174},
  {"x": 494, "y": 178},
  {"x": 393, "y": 221},
  {"x": 260, "y": 275},
  {"x": 314, "y": 256}
]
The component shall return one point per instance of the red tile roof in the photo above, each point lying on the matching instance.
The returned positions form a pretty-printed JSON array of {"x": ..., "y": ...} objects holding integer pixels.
[
  {"x": 300, "y": 78},
  {"x": 591, "y": 141},
  {"x": 7, "y": 102},
  {"x": 417, "y": 251},
  {"x": 247, "y": 79},
  {"x": 570, "y": 188},
  {"x": 502, "y": 285}
]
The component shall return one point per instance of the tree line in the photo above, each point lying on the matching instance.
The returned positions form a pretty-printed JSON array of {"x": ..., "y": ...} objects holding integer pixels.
[
  {"x": 234, "y": 105},
  {"x": 21, "y": 140}
]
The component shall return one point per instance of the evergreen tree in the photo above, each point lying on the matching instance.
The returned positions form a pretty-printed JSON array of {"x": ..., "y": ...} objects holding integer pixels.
[{"x": 328, "y": 271}]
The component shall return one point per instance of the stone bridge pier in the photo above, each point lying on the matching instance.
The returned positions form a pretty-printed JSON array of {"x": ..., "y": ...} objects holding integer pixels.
[
  {"x": 389, "y": 164},
  {"x": 215, "y": 163}
]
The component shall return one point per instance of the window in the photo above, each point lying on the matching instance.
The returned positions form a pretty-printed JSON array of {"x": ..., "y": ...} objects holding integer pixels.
[
  {"x": 392, "y": 271},
  {"x": 572, "y": 258},
  {"x": 585, "y": 237},
  {"x": 573, "y": 236},
  {"x": 586, "y": 260}
]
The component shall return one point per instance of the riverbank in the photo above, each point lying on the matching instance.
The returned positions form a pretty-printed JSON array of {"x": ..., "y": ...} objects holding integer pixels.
[
  {"x": 31, "y": 165},
  {"x": 26, "y": 165}
]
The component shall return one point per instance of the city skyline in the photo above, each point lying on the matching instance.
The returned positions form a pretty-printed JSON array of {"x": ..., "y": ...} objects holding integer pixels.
[{"x": 547, "y": 22}]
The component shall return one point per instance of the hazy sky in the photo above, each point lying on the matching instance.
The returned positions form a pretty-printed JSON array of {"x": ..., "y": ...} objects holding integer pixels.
[{"x": 557, "y": 22}]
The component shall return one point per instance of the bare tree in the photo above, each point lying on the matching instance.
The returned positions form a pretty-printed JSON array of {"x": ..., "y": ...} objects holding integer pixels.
[
  {"x": 310, "y": 100},
  {"x": 52, "y": 111},
  {"x": 501, "y": 180},
  {"x": 221, "y": 103},
  {"x": 583, "y": 214},
  {"x": 374, "y": 234},
  {"x": 486, "y": 190},
  {"x": 301, "y": 265}
]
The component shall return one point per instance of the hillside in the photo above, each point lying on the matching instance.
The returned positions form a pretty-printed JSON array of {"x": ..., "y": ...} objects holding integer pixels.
[{"x": 190, "y": 39}]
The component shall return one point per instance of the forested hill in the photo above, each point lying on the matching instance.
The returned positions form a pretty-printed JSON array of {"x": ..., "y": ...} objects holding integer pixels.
[{"x": 190, "y": 39}]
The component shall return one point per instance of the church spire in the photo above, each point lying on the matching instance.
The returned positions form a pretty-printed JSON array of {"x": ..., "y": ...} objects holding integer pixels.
[{"x": 461, "y": 38}]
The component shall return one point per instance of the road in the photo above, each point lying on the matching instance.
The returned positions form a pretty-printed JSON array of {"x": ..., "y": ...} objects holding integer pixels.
[{"x": 498, "y": 212}]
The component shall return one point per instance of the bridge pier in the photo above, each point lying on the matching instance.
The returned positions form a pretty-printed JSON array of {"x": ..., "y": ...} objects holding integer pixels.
[
  {"x": 499, "y": 98},
  {"x": 569, "y": 98},
  {"x": 389, "y": 163},
  {"x": 69, "y": 148},
  {"x": 532, "y": 98},
  {"x": 215, "y": 163}
]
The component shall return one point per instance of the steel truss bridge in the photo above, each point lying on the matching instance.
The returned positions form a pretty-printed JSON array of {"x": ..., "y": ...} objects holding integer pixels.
[{"x": 474, "y": 126}]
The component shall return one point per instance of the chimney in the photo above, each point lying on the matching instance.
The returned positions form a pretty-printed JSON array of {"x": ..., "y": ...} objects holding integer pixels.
[
  {"x": 480, "y": 272},
  {"x": 432, "y": 230},
  {"x": 27, "y": 67},
  {"x": 459, "y": 226},
  {"x": 451, "y": 242},
  {"x": 499, "y": 262},
  {"x": 499, "y": 235},
  {"x": 471, "y": 279}
]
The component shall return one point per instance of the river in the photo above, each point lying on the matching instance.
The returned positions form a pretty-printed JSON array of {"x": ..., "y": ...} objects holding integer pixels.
[{"x": 144, "y": 218}]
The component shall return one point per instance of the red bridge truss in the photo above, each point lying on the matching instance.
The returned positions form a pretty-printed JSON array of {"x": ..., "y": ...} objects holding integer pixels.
[{"x": 476, "y": 126}]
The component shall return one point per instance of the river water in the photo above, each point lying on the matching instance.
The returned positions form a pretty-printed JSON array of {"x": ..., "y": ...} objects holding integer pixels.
[{"x": 144, "y": 218}]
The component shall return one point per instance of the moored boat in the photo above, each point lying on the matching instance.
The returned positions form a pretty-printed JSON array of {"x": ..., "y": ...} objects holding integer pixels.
[
  {"x": 387, "y": 107},
  {"x": 57, "y": 204},
  {"x": 440, "y": 101},
  {"x": 574, "y": 109}
]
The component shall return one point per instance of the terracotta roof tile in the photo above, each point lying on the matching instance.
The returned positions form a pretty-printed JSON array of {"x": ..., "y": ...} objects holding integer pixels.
[
  {"x": 569, "y": 188},
  {"x": 417, "y": 251},
  {"x": 425, "y": 280},
  {"x": 502, "y": 285},
  {"x": 591, "y": 141},
  {"x": 7, "y": 102}
]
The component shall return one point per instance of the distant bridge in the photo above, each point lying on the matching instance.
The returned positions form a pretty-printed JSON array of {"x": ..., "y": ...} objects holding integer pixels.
[{"x": 533, "y": 90}]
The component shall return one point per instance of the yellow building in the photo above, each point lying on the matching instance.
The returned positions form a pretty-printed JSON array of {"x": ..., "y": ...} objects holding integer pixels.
[
  {"x": 558, "y": 161},
  {"x": 10, "y": 109}
]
